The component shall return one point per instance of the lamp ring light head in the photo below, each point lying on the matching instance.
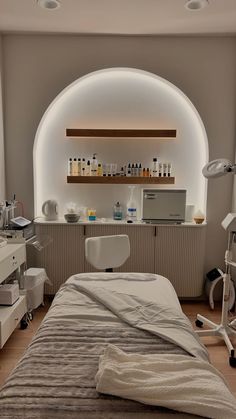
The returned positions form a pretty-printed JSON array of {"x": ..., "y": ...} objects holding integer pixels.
[{"x": 217, "y": 168}]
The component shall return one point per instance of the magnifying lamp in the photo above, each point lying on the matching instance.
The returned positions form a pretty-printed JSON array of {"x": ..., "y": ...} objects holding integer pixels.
[{"x": 217, "y": 168}]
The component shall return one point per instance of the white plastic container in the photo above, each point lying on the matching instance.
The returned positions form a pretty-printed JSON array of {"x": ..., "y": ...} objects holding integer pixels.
[
  {"x": 34, "y": 279},
  {"x": 131, "y": 206}
]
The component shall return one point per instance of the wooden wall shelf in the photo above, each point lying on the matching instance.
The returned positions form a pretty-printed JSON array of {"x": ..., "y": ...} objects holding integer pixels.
[
  {"x": 120, "y": 180},
  {"x": 119, "y": 133}
]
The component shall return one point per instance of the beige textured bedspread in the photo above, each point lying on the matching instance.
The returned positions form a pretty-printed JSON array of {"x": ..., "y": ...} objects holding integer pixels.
[{"x": 55, "y": 379}]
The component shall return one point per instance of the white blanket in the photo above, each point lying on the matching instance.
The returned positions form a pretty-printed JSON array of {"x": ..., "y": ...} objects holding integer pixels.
[
  {"x": 160, "y": 319},
  {"x": 177, "y": 382}
]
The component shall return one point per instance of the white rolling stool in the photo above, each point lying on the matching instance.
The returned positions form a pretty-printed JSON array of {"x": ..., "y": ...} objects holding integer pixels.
[{"x": 107, "y": 252}]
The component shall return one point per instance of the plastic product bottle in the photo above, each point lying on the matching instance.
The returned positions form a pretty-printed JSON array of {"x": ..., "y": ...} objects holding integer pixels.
[
  {"x": 79, "y": 167},
  {"x": 83, "y": 167},
  {"x": 131, "y": 206},
  {"x": 154, "y": 167},
  {"x": 69, "y": 172},
  {"x": 94, "y": 166},
  {"x": 100, "y": 171},
  {"x": 140, "y": 170},
  {"x": 75, "y": 167},
  {"x": 117, "y": 211},
  {"x": 169, "y": 169},
  {"x": 88, "y": 169}
]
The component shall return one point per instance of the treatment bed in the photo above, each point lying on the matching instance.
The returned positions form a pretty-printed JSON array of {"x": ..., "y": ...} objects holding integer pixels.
[{"x": 136, "y": 314}]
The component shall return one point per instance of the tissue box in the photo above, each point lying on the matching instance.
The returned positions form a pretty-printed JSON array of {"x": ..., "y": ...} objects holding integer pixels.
[{"x": 9, "y": 293}]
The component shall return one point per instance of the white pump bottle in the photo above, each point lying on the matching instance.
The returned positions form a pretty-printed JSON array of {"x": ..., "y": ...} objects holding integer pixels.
[{"x": 131, "y": 206}]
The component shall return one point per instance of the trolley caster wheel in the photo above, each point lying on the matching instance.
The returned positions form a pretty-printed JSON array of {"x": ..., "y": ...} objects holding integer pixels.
[
  {"x": 31, "y": 315},
  {"x": 23, "y": 324},
  {"x": 198, "y": 323},
  {"x": 232, "y": 361}
]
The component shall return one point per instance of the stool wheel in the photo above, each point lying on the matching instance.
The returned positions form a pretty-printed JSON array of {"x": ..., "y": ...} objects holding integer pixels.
[
  {"x": 198, "y": 323},
  {"x": 23, "y": 324},
  {"x": 232, "y": 361}
]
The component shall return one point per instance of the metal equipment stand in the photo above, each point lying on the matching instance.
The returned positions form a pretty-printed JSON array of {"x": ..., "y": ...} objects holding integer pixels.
[{"x": 223, "y": 329}]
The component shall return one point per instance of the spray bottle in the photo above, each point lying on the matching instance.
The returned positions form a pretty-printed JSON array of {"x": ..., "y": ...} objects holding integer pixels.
[
  {"x": 94, "y": 165},
  {"x": 131, "y": 206}
]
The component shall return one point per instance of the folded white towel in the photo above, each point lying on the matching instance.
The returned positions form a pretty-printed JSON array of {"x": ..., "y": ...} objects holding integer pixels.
[{"x": 178, "y": 382}]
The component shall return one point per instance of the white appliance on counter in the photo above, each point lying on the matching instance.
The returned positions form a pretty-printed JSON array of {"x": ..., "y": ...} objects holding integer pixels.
[{"x": 163, "y": 205}]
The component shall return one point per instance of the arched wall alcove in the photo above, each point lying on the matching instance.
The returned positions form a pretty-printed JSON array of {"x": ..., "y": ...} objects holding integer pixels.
[{"x": 118, "y": 98}]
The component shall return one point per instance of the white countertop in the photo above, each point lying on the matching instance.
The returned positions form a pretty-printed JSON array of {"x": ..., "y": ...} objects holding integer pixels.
[{"x": 110, "y": 221}]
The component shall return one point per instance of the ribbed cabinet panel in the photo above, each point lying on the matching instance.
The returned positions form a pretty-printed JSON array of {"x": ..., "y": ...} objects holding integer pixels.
[
  {"x": 142, "y": 242},
  {"x": 179, "y": 256},
  {"x": 176, "y": 252},
  {"x": 64, "y": 256}
]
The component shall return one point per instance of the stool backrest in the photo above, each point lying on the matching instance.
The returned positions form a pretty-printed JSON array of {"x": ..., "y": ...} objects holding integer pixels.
[{"x": 107, "y": 252}]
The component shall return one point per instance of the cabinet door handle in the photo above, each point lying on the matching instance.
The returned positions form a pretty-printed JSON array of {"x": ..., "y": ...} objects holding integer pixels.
[
  {"x": 84, "y": 230},
  {"x": 155, "y": 231}
]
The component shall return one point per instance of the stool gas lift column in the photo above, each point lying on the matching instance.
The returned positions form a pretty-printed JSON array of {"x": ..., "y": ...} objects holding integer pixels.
[{"x": 223, "y": 329}]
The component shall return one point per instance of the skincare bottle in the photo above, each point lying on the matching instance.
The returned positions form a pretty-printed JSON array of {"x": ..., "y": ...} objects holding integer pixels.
[
  {"x": 128, "y": 170},
  {"x": 148, "y": 172},
  {"x": 122, "y": 173},
  {"x": 144, "y": 172},
  {"x": 83, "y": 167},
  {"x": 131, "y": 206},
  {"x": 117, "y": 211},
  {"x": 69, "y": 167},
  {"x": 154, "y": 167},
  {"x": 79, "y": 167},
  {"x": 88, "y": 169},
  {"x": 132, "y": 170},
  {"x": 74, "y": 167},
  {"x": 169, "y": 169},
  {"x": 100, "y": 171},
  {"x": 160, "y": 169},
  {"x": 128, "y": 173},
  {"x": 94, "y": 166},
  {"x": 140, "y": 170},
  {"x": 165, "y": 169}
]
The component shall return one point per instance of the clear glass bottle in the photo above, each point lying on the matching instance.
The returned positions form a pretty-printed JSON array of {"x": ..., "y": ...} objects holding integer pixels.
[{"x": 117, "y": 211}]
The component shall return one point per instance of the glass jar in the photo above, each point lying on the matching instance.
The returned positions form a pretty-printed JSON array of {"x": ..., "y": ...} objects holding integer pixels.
[{"x": 117, "y": 211}]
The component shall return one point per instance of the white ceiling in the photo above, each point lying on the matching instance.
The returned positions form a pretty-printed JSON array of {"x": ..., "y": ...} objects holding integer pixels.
[{"x": 160, "y": 17}]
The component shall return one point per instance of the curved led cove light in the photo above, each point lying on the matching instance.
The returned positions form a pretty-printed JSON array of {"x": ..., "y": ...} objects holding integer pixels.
[
  {"x": 218, "y": 168},
  {"x": 101, "y": 77},
  {"x": 195, "y": 5}
]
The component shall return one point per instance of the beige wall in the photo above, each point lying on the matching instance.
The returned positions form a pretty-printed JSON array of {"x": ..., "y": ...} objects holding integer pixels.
[{"x": 37, "y": 68}]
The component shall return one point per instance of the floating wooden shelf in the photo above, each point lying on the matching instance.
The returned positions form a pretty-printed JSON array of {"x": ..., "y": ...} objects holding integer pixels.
[
  {"x": 120, "y": 180},
  {"x": 119, "y": 133}
]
